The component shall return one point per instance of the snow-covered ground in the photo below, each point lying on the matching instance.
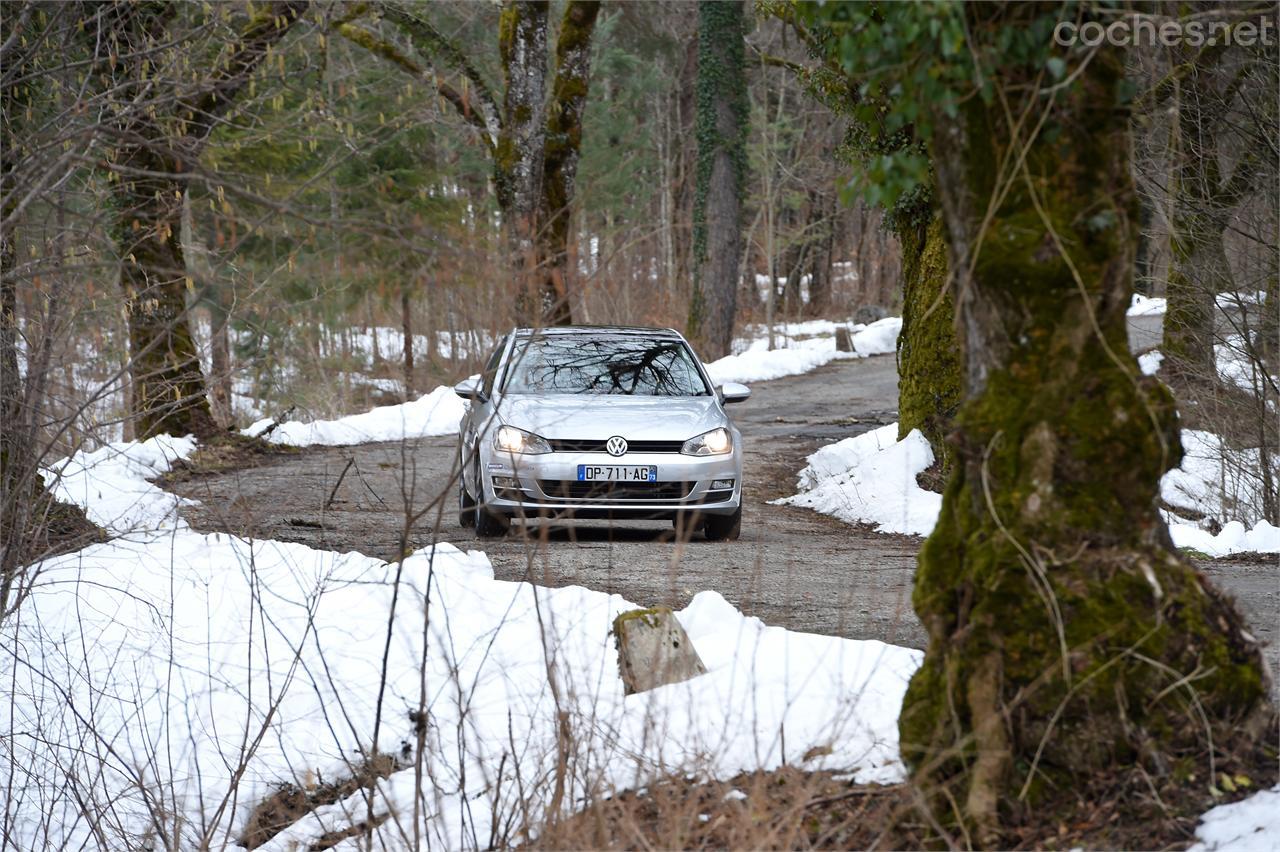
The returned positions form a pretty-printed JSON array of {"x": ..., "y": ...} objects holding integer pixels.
[
  {"x": 871, "y": 479},
  {"x": 435, "y": 413},
  {"x": 1146, "y": 306},
  {"x": 175, "y": 678},
  {"x": 167, "y": 680},
  {"x": 801, "y": 347}
]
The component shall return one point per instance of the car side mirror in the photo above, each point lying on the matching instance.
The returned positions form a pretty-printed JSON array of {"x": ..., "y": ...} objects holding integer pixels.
[
  {"x": 731, "y": 392},
  {"x": 470, "y": 388}
]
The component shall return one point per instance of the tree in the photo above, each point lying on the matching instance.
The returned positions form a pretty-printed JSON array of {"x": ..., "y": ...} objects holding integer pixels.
[
  {"x": 534, "y": 142},
  {"x": 163, "y": 124},
  {"x": 928, "y": 352},
  {"x": 929, "y": 385},
  {"x": 721, "y": 175},
  {"x": 1203, "y": 200},
  {"x": 1067, "y": 637}
]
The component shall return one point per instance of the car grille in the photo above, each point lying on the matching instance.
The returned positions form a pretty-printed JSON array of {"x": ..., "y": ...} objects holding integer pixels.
[
  {"x": 575, "y": 445},
  {"x": 569, "y": 489}
]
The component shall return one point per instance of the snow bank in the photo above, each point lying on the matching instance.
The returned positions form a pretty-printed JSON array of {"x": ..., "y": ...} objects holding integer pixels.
[
  {"x": 879, "y": 338},
  {"x": 761, "y": 365},
  {"x": 871, "y": 478},
  {"x": 1233, "y": 538},
  {"x": 1249, "y": 825},
  {"x": 1213, "y": 479},
  {"x": 1149, "y": 362},
  {"x": 1144, "y": 306},
  {"x": 112, "y": 483},
  {"x": 154, "y": 670},
  {"x": 437, "y": 413},
  {"x": 757, "y": 363}
]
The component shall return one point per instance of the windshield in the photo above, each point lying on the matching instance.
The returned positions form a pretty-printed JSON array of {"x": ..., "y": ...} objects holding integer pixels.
[{"x": 638, "y": 366}]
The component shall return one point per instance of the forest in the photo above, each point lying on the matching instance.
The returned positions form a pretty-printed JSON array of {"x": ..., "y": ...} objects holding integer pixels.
[{"x": 1004, "y": 279}]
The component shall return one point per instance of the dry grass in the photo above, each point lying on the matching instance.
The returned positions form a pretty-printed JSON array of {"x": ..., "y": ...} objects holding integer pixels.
[
  {"x": 783, "y": 809},
  {"x": 224, "y": 452}
]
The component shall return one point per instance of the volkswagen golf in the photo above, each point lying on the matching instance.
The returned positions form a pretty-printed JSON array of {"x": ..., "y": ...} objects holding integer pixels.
[{"x": 587, "y": 422}]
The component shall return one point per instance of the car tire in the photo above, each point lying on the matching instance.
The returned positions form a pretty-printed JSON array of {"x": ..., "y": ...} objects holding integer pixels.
[
  {"x": 488, "y": 524},
  {"x": 466, "y": 506},
  {"x": 723, "y": 527}
]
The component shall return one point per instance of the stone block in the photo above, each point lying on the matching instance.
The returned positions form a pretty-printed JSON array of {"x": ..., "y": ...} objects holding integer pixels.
[{"x": 653, "y": 650}]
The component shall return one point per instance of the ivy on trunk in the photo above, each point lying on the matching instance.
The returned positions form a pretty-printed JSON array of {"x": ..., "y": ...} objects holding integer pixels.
[
  {"x": 159, "y": 141},
  {"x": 928, "y": 355},
  {"x": 1067, "y": 638},
  {"x": 721, "y": 127}
]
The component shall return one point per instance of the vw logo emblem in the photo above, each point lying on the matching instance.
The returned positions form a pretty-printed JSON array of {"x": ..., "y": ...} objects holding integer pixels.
[{"x": 616, "y": 446}]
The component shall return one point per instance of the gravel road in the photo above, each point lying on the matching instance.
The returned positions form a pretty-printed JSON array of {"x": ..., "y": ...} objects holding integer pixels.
[{"x": 792, "y": 567}]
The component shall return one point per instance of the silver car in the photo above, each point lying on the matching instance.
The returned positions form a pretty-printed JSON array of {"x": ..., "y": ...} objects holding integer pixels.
[{"x": 599, "y": 422}]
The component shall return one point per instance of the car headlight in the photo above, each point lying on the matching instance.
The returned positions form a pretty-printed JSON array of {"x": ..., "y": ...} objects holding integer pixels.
[
  {"x": 717, "y": 442},
  {"x": 509, "y": 439}
]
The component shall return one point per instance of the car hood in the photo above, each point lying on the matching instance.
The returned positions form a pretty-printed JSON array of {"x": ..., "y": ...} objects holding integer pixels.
[{"x": 601, "y": 416}]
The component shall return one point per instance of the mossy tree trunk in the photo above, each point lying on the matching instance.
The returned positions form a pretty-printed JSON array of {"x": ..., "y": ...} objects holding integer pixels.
[
  {"x": 562, "y": 148},
  {"x": 164, "y": 365},
  {"x": 721, "y": 175},
  {"x": 1067, "y": 638},
  {"x": 160, "y": 141},
  {"x": 928, "y": 354},
  {"x": 518, "y": 164}
]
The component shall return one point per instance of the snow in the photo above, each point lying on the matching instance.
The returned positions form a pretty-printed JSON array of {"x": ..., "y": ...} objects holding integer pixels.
[
  {"x": 436, "y": 413},
  {"x": 1216, "y": 480},
  {"x": 1233, "y": 538},
  {"x": 1149, "y": 362},
  {"x": 871, "y": 478},
  {"x": 1145, "y": 306},
  {"x": 154, "y": 669},
  {"x": 1238, "y": 366},
  {"x": 1243, "y": 298},
  {"x": 879, "y": 338},
  {"x": 1249, "y": 825},
  {"x": 757, "y": 363},
  {"x": 111, "y": 483}
]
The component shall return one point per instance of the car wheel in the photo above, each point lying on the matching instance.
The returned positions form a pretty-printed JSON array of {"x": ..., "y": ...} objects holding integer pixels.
[
  {"x": 466, "y": 506},
  {"x": 488, "y": 524},
  {"x": 723, "y": 527}
]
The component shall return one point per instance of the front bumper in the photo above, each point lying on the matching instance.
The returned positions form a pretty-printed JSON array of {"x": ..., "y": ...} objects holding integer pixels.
[{"x": 547, "y": 486}]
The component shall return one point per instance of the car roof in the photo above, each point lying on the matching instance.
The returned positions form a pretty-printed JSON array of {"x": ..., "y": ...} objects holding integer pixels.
[{"x": 601, "y": 331}]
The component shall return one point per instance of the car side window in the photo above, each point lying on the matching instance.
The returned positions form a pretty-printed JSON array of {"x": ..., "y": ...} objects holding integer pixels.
[{"x": 491, "y": 368}]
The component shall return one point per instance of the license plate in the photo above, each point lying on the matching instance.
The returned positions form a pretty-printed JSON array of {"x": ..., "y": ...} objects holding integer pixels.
[{"x": 617, "y": 473}]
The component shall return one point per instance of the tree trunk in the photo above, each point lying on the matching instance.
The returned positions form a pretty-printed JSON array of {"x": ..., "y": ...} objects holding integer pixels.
[
  {"x": 822, "y": 256},
  {"x": 1198, "y": 266},
  {"x": 219, "y": 356},
  {"x": 928, "y": 354},
  {"x": 406, "y": 329},
  {"x": 721, "y": 179},
  {"x": 162, "y": 134},
  {"x": 518, "y": 158},
  {"x": 1069, "y": 644},
  {"x": 562, "y": 147},
  {"x": 169, "y": 390}
]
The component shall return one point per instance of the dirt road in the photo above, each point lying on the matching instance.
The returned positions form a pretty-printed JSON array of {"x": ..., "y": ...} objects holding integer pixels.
[{"x": 792, "y": 567}]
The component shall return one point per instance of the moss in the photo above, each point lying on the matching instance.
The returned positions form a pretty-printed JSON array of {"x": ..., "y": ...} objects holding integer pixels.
[
  {"x": 649, "y": 617},
  {"x": 1049, "y": 553},
  {"x": 928, "y": 354}
]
